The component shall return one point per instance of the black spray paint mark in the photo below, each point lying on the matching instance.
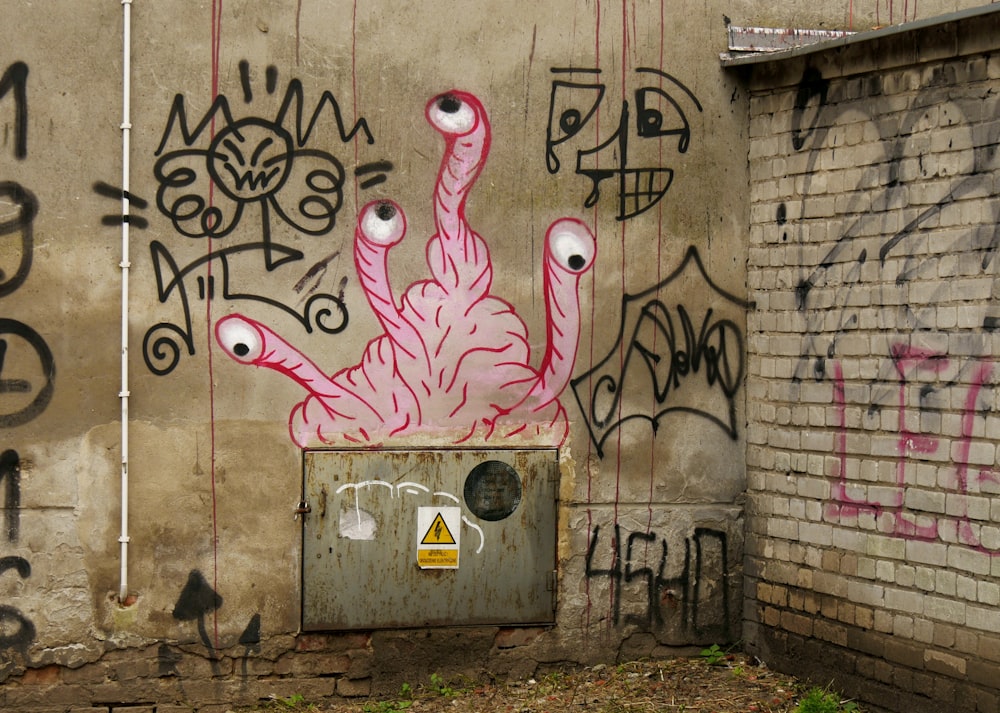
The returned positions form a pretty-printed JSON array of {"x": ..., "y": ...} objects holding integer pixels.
[
  {"x": 251, "y": 634},
  {"x": 806, "y": 114},
  {"x": 195, "y": 602},
  {"x": 167, "y": 660},
  {"x": 17, "y": 228},
  {"x": 271, "y": 79},
  {"x": 16, "y": 631},
  {"x": 244, "y": 66},
  {"x": 379, "y": 168},
  {"x": 14, "y": 562},
  {"x": 105, "y": 189},
  {"x": 315, "y": 274},
  {"x": 15, "y": 78},
  {"x": 654, "y": 348},
  {"x": 16, "y": 385},
  {"x": 10, "y": 477},
  {"x": 251, "y": 639}
]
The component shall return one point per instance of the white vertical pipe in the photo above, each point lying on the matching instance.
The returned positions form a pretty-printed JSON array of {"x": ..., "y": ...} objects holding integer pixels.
[{"x": 125, "y": 264}]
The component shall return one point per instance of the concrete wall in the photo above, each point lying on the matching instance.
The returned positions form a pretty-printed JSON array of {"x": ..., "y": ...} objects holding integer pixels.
[
  {"x": 333, "y": 99},
  {"x": 872, "y": 384},
  {"x": 634, "y": 371}
]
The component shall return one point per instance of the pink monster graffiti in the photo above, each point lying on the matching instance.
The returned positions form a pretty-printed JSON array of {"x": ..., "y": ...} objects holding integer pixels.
[{"x": 454, "y": 359}]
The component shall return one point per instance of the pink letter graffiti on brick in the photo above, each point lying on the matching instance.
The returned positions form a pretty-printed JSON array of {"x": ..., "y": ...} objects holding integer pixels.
[
  {"x": 893, "y": 516},
  {"x": 454, "y": 358}
]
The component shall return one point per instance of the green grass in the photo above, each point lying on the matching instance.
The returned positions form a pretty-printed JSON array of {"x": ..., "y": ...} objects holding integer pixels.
[
  {"x": 295, "y": 702},
  {"x": 822, "y": 700}
]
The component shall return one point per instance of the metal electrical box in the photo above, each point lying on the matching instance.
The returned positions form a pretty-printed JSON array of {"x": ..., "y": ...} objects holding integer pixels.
[{"x": 420, "y": 538}]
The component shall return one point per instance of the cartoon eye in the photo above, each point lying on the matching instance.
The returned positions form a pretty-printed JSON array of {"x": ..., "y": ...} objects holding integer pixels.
[
  {"x": 658, "y": 114},
  {"x": 241, "y": 339},
  {"x": 452, "y": 114},
  {"x": 382, "y": 223},
  {"x": 571, "y": 245},
  {"x": 571, "y": 106}
]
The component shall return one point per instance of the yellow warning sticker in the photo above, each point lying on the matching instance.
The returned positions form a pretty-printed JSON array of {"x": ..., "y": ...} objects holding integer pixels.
[{"x": 438, "y": 534}]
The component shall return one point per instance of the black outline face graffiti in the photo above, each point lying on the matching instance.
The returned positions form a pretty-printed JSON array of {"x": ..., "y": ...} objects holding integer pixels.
[{"x": 574, "y": 105}]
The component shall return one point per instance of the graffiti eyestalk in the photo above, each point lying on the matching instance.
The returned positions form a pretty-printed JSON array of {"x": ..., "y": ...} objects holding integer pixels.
[{"x": 454, "y": 358}]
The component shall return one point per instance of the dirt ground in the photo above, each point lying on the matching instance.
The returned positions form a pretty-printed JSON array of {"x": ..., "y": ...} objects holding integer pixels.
[{"x": 723, "y": 683}]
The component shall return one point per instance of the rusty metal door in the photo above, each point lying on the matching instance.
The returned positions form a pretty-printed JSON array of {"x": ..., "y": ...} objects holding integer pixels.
[{"x": 429, "y": 538}]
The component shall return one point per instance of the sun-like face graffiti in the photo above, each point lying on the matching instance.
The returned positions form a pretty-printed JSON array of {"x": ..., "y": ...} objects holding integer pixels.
[
  {"x": 249, "y": 160},
  {"x": 454, "y": 358}
]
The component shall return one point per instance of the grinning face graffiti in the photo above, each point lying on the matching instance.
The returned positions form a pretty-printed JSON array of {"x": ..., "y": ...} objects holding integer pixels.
[
  {"x": 453, "y": 358},
  {"x": 636, "y": 152}
]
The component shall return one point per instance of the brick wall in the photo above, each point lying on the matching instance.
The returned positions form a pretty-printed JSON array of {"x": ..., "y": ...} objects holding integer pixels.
[{"x": 873, "y": 550}]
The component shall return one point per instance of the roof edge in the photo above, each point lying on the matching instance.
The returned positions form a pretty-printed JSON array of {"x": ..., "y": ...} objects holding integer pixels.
[{"x": 730, "y": 60}]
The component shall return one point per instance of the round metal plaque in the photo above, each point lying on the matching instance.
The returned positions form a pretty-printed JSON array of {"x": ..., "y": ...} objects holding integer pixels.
[{"x": 492, "y": 490}]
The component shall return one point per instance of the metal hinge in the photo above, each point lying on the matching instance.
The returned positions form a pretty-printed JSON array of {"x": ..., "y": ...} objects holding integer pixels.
[{"x": 552, "y": 586}]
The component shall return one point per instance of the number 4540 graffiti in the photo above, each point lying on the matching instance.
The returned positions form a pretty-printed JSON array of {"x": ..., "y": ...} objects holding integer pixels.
[{"x": 693, "y": 586}]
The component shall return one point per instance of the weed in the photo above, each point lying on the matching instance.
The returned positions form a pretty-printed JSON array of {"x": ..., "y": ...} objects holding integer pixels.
[
  {"x": 440, "y": 687},
  {"x": 390, "y": 706},
  {"x": 294, "y": 702},
  {"x": 386, "y": 706},
  {"x": 551, "y": 683},
  {"x": 713, "y": 655},
  {"x": 820, "y": 700}
]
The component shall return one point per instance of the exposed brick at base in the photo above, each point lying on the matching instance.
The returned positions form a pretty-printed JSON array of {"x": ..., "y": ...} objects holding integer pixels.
[
  {"x": 880, "y": 685},
  {"x": 172, "y": 677}
]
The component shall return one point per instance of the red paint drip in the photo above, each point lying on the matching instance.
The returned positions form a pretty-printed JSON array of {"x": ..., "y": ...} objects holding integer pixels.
[
  {"x": 659, "y": 263},
  {"x": 216, "y": 44},
  {"x": 593, "y": 295},
  {"x": 622, "y": 234},
  {"x": 354, "y": 87}
]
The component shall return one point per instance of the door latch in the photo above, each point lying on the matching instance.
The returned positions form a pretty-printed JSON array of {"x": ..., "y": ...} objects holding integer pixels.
[{"x": 302, "y": 508}]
